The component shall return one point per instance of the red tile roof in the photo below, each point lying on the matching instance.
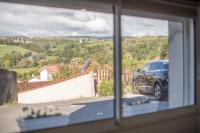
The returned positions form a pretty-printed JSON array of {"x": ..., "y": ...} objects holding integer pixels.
[{"x": 52, "y": 68}]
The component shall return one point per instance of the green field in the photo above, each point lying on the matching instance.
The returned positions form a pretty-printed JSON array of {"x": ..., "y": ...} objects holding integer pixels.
[{"x": 6, "y": 49}]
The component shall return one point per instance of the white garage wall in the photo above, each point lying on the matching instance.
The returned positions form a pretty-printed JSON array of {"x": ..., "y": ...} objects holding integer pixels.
[
  {"x": 175, "y": 64},
  {"x": 79, "y": 87},
  {"x": 181, "y": 63}
]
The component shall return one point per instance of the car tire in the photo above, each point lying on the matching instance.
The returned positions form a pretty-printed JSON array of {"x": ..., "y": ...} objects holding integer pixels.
[{"x": 157, "y": 92}]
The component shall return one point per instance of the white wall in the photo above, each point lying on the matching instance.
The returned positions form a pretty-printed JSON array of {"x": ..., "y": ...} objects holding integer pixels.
[
  {"x": 181, "y": 63},
  {"x": 44, "y": 75},
  {"x": 79, "y": 87},
  {"x": 175, "y": 64}
]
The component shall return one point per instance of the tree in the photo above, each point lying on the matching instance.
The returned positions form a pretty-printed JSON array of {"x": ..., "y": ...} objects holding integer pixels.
[
  {"x": 15, "y": 57},
  {"x": 7, "y": 61},
  {"x": 128, "y": 62},
  {"x": 164, "y": 51},
  {"x": 45, "y": 47}
]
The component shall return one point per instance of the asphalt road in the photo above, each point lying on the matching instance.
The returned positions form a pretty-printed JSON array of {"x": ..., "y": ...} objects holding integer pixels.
[{"x": 73, "y": 111}]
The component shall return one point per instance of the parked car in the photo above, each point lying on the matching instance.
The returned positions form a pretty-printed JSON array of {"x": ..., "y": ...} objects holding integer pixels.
[{"x": 152, "y": 79}]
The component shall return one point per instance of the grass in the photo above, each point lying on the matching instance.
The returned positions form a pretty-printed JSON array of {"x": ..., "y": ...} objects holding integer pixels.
[
  {"x": 51, "y": 57},
  {"x": 23, "y": 70},
  {"x": 6, "y": 49}
]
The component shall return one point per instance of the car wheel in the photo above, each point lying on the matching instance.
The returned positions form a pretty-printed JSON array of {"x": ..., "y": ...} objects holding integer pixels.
[{"x": 157, "y": 91}]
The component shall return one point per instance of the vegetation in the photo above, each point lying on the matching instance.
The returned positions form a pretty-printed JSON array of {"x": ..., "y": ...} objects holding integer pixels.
[
  {"x": 5, "y": 49},
  {"x": 106, "y": 88},
  {"x": 28, "y": 58}
]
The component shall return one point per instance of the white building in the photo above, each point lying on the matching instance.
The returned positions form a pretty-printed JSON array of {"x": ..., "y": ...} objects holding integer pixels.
[{"x": 47, "y": 72}]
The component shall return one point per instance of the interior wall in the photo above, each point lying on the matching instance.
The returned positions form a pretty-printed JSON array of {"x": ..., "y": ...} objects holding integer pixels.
[{"x": 182, "y": 125}]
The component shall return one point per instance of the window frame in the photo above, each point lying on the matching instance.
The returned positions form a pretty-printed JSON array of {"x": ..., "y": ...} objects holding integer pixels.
[{"x": 118, "y": 122}]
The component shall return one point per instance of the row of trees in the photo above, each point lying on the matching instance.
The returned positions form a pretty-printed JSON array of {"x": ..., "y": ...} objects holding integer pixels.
[{"x": 18, "y": 60}]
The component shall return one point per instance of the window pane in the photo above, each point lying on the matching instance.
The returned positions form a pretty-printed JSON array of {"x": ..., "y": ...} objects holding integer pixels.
[
  {"x": 156, "y": 66},
  {"x": 162, "y": 45},
  {"x": 62, "y": 76},
  {"x": 146, "y": 68}
]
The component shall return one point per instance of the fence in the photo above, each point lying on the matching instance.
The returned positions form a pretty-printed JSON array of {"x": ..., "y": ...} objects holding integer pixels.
[{"x": 105, "y": 74}]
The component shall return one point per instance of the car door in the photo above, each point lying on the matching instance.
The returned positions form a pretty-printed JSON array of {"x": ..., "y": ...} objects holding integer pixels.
[
  {"x": 142, "y": 77},
  {"x": 151, "y": 75}
]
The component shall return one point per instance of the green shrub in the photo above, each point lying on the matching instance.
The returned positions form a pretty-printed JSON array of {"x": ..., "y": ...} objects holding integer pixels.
[
  {"x": 127, "y": 89},
  {"x": 106, "y": 88}
]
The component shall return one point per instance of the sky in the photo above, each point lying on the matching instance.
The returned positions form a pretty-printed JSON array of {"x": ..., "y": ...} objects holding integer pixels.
[{"x": 27, "y": 20}]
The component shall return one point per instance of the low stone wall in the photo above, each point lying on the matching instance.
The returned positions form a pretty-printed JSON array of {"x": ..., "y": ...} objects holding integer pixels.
[{"x": 8, "y": 85}]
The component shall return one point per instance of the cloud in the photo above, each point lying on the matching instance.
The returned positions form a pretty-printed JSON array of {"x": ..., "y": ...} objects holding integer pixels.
[
  {"x": 18, "y": 19},
  {"x": 139, "y": 26}
]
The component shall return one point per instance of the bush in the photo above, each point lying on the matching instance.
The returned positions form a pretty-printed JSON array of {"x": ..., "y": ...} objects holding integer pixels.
[
  {"x": 106, "y": 88},
  {"x": 127, "y": 89}
]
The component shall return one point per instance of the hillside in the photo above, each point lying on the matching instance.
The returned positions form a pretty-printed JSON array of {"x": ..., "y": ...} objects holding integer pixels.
[{"x": 27, "y": 58}]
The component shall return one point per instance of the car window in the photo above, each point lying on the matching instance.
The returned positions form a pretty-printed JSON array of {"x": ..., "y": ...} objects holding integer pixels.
[
  {"x": 146, "y": 67},
  {"x": 156, "y": 66}
]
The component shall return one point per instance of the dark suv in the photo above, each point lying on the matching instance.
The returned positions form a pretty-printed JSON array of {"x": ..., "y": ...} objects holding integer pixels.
[{"x": 152, "y": 79}]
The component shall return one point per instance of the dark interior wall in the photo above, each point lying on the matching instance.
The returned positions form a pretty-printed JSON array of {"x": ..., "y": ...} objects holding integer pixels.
[{"x": 8, "y": 83}]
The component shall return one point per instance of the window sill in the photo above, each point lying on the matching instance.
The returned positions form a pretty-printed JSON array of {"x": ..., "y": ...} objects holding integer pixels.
[{"x": 133, "y": 122}]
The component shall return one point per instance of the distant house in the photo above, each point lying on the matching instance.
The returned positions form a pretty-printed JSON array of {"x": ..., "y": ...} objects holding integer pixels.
[
  {"x": 47, "y": 72},
  {"x": 22, "y": 39}
]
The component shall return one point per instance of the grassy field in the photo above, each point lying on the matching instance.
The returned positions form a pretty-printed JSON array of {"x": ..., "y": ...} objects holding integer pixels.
[{"x": 5, "y": 49}]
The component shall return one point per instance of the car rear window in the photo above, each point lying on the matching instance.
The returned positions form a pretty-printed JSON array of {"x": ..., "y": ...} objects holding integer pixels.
[
  {"x": 155, "y": 66},
  {"x": 165, "y": 65}
]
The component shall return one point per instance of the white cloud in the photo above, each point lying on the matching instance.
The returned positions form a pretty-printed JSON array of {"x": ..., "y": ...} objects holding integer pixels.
[
  {"x": 45, "y": 21},
  {"x": 138, "y": 26}
]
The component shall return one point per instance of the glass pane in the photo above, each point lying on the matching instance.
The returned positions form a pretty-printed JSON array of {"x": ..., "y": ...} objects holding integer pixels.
[
  {"x": 155, "y": 65},
  {"x": 62, "y": 76}
]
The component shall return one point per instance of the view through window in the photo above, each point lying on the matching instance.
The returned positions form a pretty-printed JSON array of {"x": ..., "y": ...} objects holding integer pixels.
[
  {"x": 56, "y": 66},
  {"x": 154, "y": 76},
  {"x": 64, "y": 64}
]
